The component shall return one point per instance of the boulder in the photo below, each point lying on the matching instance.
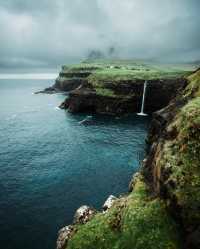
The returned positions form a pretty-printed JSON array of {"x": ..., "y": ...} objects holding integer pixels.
[
  {"x": 84, "y": 214},
  {"x": 64, "y": 235},
  {"x": 109, "y": 202}
]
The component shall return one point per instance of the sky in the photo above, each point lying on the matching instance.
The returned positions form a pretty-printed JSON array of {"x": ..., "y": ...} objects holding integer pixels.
[{"x": 48, "y": 33}]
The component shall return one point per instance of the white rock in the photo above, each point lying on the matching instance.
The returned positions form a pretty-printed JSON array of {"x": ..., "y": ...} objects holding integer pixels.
[
  {"x": 84, "y": 214},
  {"x": 63, "y": 236},
  {"x": 109, "y": 202}
]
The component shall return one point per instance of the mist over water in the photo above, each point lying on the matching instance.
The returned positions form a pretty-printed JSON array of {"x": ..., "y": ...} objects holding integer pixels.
[{"x": 51, "y": 164}]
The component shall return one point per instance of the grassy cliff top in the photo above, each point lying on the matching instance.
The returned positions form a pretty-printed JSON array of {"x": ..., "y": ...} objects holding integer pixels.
[
  {"x": 101, "y": 72},
  {"x": 128, "y": 69},
  {"x": 142, "y": 73}
]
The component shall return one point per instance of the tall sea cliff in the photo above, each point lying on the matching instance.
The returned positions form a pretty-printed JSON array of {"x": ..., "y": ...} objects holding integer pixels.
[{"x": 162, "y": 208}]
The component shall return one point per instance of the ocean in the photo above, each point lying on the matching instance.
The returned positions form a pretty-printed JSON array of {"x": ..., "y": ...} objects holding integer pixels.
[{"x": 51, "y": 162}]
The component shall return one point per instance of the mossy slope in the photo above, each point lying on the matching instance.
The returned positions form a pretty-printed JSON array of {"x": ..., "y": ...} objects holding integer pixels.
[
  {"x": 176, "y": 165},
  {"x": 135, "y": 221},
  {"x": 181, "y": 158}
]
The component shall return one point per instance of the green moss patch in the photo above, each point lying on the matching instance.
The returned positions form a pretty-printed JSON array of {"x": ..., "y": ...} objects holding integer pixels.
[
  {"x": 181, "y": 158},
  {"x": 134, "y": 221},
  {"x": 105, "y": 92},
  {"x": 193, "y": 89}
]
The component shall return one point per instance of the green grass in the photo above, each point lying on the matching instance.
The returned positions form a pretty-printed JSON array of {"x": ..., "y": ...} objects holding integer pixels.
[
  {"x": 82, "y": 67},
  {"x": 134, "y": 221},
  {"x": 127, "y": 69},
  {"x": 193, "y": 89},
  {"x": 117, "y": 75},
  {"x": 105, "y": 92},
  {"x": 181, "y": 156}
]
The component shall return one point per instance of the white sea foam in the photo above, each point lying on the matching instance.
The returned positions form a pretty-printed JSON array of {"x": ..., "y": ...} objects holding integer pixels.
[{"x": 56, "y": 108}]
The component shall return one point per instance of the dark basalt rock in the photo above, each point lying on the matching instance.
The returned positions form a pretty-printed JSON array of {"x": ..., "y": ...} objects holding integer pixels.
[
  {"x": 127, "y": 97},
  {"x": 68, "y": 84},
  {"x": 48, "y": 90},
  {"x": 86, "y": 100},
  {"x": 160, "y": 92}
]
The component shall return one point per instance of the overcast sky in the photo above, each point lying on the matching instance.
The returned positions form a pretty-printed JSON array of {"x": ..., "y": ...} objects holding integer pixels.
[{"x": 36, "y": 33}]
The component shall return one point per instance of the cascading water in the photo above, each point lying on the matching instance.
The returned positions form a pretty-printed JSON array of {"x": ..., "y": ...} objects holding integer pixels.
[{"x": 141, "y": 113}]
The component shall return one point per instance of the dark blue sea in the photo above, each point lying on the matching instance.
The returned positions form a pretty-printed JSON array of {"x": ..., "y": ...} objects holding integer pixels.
[{"x": 51, "y": 163}]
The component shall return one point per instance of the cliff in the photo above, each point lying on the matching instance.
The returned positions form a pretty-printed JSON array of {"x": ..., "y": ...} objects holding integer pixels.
[
  {"x": 162, "y": 208},
  {"x": 71, "y": 77},
  {"x": 117, "y": 88}
]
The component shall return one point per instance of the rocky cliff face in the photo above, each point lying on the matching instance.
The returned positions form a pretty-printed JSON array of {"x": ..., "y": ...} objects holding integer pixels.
[
  {"x": 118, "y": 88},
  {"x": 173, "y": 164},
  {"x": 122, "y": 97},
  {"x": 162, "y": 209},
  {"x": 70, "y": 78}
]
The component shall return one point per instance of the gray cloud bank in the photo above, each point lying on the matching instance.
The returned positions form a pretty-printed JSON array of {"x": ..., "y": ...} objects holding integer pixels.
[{"x": 50, "y": 33}]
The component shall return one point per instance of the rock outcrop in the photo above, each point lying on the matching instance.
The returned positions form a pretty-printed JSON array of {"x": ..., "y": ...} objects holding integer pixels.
[
  {"x": 64, "y": 235},
  {"x": 84, "y": 214},
  {"x": 162, "y": 208},
  {"x": 70, "y": 78},
  {"x": 109, "y": 203},
  {"x": 117, "y": 90},
  {"x": 81, "y": 216}
]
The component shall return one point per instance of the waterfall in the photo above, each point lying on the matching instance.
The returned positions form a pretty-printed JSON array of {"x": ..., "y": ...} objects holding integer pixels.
[{"x": 143, "y": 100}]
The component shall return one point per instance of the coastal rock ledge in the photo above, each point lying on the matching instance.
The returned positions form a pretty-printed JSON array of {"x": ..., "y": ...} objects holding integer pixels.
[{"x": 162, "y": 208}]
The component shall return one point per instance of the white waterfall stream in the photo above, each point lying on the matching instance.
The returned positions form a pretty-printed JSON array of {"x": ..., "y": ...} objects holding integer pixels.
[{"x": 141, "y": 113}]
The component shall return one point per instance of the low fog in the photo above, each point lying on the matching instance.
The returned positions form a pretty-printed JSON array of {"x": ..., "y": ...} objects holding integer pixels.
[{"x": 48, "y": 33}]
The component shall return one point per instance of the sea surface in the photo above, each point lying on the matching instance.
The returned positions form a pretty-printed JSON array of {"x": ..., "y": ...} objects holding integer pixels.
[{"x": 51, "y": 162}]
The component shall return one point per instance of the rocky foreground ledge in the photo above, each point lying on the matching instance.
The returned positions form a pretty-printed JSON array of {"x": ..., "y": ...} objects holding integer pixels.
[{"x": 162, "y": 208}]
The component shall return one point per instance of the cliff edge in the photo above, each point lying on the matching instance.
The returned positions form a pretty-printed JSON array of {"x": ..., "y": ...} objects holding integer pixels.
[{"x": 162, "y": 208}]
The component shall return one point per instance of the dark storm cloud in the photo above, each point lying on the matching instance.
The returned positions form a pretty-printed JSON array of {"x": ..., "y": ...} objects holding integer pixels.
[{"x": 47, "y": 32}]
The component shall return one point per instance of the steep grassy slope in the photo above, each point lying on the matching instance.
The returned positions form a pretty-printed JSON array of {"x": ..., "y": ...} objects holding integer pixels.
[
  {"x": 176, "y": 160},
  {"x": 135, "y": 221}
]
